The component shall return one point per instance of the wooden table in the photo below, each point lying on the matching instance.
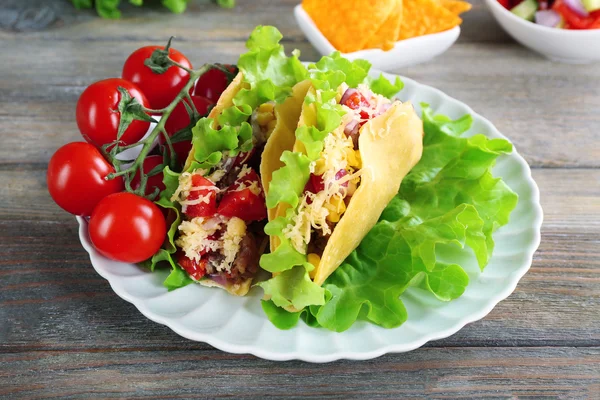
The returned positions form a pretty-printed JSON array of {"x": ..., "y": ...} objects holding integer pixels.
[{"x": 64, "y": 333}]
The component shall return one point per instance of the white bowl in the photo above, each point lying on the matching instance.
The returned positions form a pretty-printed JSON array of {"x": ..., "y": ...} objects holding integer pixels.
[
  {"x": 404, "y": 53},
  {"x": 562, "y": 45}
]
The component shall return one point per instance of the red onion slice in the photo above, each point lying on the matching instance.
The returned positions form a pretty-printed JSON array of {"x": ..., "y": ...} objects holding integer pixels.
[
  {"x": 577, "y": 6},
  {"x": 351, "y": 128},
  {"x": 349, "y": 92},
  {"x": 548, "y": 18}
]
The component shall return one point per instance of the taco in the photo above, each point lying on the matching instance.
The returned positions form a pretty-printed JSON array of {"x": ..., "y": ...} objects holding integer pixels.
[
  {"x": 355, "y": 169},
  {"x": 220, "y": 237}
]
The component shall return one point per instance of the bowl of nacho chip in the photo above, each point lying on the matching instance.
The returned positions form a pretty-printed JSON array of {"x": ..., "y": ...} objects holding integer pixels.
[{"x": 388, "y": 33}]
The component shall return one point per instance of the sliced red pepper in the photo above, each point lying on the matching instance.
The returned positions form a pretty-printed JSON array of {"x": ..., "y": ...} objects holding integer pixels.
[
  {"x": 203, "y": 209},
  {"x": 244, "y": 203},
  {"x": 195, "y": 269},
  {"x": 574, "y": 20}
]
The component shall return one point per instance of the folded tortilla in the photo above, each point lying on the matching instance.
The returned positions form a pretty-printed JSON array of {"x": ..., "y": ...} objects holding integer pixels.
[
  {"x": 390, "y": 145},
  {"x": 282, "y": 138}
]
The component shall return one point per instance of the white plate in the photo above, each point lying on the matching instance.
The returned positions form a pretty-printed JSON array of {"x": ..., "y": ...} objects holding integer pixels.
[
  {"x": 238, "y": 325},
  {"x": 405, "y": 52}
]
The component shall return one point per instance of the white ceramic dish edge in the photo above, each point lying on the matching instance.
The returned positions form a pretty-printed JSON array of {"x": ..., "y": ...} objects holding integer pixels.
[
  {"x": 568, "y": 46},
  {"x": 264, "y": 352},
  {"x": 405, "y": 52}
]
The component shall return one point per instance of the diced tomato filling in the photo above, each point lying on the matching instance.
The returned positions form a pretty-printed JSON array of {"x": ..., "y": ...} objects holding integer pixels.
[
  {"x": 244, "y": 203},
  {"x": 196, "y": 269},
  {"x": 242, "y": 158},
  {"x": 202, "y": 209},
  {"x": 355, "y": 100},
  {"x": 316, "y": 184}
]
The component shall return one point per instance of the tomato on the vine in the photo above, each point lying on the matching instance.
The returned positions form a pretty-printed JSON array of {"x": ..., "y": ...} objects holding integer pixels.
[
  {"x": 126, "y": 227},
  {"x": 160, "y": 89},
  {"x": 97, "y": 116},
  {"x": 178, "y": 120},
  {"x": 213, "y": 83},
  {"x": 76, "y": 175},
  {"x": 154, "y": 181}
]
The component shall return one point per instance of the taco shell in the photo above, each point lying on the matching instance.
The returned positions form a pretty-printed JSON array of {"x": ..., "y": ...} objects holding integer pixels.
[
  {"x": 282, "y": 138},
  {"x": 390, "y": 146}
]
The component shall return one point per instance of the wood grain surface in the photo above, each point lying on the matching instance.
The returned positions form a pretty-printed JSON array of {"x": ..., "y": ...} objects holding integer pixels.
[{"x": 65, "y": 334}]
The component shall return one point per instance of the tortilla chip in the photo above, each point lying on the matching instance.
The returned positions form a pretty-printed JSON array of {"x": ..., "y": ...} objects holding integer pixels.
[
  {"x": 348, "y": 25},
  {"x": 456, "y": 6},
  {"x": 422, "y": 17},
  {"x": 386, "y": 35}
]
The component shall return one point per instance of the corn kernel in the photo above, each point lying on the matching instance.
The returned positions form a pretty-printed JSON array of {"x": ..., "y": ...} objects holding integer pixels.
[
  {"x": 353, "y": 157},
  {"x": 271, "y": 126},
  {"x": 266, "y": 108},
  {"x": 264, "y": 118},
  {"x": 338, "y": 204},
  {"x": 315, "y": 260},
  {"x": 320, "y": 166},
  {"x": 333, "y": 217}
]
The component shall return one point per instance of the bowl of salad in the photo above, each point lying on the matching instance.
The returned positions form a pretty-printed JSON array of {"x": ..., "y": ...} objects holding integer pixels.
[{"x": 562, "y": 30}]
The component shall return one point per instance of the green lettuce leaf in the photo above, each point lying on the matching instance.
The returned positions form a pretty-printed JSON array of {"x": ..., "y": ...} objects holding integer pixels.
[
  {"x": 450, "y": 199},
  {"x": 288, "y": 182},
  {"x": 269, "y": 72},
  {"x": 384, "y": 87},
  {"x": 293, "y": 288}
]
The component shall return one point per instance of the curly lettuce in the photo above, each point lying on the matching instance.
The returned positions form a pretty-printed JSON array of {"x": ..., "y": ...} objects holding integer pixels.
[
  {"x": 268, "y": 75},
  {"x": 291, "y": 286},
  {"x": 450, "y": 198}
]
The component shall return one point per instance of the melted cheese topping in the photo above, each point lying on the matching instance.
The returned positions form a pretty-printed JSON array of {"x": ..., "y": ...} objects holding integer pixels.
[
  {"x": 194, "y": 236},
  {"x": 236, "y": 230},
  {"x": 314, "y": 209},
  {"x": 186, "y": 186}
]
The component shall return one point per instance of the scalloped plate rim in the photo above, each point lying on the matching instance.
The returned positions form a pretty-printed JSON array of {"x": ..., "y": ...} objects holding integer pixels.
[{"x": 261, "y": 352}]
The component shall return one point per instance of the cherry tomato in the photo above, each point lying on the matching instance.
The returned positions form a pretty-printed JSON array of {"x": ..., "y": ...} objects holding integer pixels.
[
  {"x": 96, "y": 114},
  {"x": 75, "y": 178},
  {"x": 196, "y": 270},
  {"x": 160, "y": 89},
  {"x": 244, "y": 203},
  {"x": 127, "y": 228},
  {"x": 154, "y": 181},
  {"x": 213, "y": 83},
  {"x": 178, "y": 120},
  {"x": 203, "y": 209}
]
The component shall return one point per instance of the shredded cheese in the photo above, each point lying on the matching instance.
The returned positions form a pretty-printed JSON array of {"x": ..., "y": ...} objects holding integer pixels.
[
  {"x": 314, "y": 209},
  {"x": 194, "y": 236},
  {"x": 236, "y": 230},
  {"x": 186, "y": 187}
]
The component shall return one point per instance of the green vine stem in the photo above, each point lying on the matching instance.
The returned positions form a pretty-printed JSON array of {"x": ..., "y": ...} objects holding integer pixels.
[{"x": 136, "y": 165}]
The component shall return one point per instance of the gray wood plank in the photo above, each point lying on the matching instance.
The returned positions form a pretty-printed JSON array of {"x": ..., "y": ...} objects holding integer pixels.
[
  {"x": 426, "y": 373},
  {"x": 547, "y": 109},
  {"x": 52, "y": 299}
]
